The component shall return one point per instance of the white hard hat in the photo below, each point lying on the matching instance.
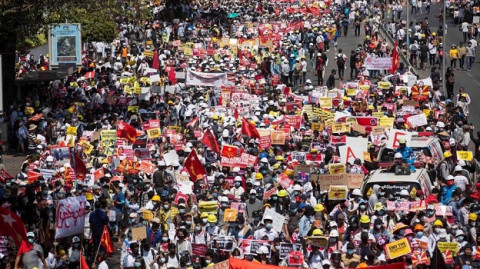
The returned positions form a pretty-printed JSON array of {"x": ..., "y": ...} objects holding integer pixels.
[
  {"x": 404, "y": 193},
  {"x": 75, "y": 239},
  {"x": 459, "y": 232},
  {"x": 440, "y": 124},
  {"x": 225, "y": 133},
  {"x": 333, "y": 233},
  {"x": 297, "y": 187},
  {"x": 398, "y": 155},
  {"x": 49, "y": 159},
  {"x": 262, "y": 250},
  {"x": 450, "y": 177},
  {"x": 238, "y": 178},
  {"x": 458, "y": 168},
  {"x": 224, "y": 199},
  {"x": 264, "y": 160},
  {"x": 268, "y": 217},
  {"x": 356, "y": 192},
  {"x": 452, "y": 141},
  {"x": 308, "y": 81},
  {"x": 461, "y": 163}
]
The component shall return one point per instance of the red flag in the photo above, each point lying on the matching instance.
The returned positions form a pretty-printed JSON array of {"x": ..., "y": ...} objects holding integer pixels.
[
  {"x": 210, "y": 141},
  {"x": 155, "y": 63},
  {"x": 367, "y": 121},
  {"x": 12, "y": 226},
  {"x": 395, "y": 59},
  {"x": 83, "y": 262},
  {"x": 80, "y": 167},
  {"x": 126, "y": 131},
  {"x": 33, "y": 176},
  {"x": 229, "y": 151},
  {"x": 106, "y": 241},
  {"x": 193, "y": 166},
  {"x": 193, "y": 122},
  {"x": 235, "y": 113},
  {"x": 172, "y": 76},
  {"x": 249, "y": 129},
  {"x": 4, "y": 175}
]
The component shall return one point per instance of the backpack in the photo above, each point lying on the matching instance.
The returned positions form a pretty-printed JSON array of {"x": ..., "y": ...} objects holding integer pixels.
[
  {"x": 340, "y": 59},
  {"x": 438, "y": 171}
]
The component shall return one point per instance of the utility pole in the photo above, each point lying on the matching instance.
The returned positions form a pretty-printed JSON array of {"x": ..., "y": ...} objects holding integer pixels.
[
  {"x": 407, "y": 28},
  {"x": 444, "y": 44}
]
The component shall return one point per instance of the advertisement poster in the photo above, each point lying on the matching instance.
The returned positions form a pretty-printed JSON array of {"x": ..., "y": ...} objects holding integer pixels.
[{"x": 65, "y": 44}]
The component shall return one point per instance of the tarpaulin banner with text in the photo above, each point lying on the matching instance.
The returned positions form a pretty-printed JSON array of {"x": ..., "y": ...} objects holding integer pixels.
[
  {"x": 206, "y": 79},
  {"x": 70, "y": 216},
  {"x": 378, "y": 63}
]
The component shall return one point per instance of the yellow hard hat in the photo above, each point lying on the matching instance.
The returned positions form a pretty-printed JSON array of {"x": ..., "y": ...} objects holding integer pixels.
[
  {"x": 371, "y": 107},
  {"x": 215, "y": 117},
  {"x": 472, "y": 216},
  {"x": 319, "y": 208},
  {"x": 258, "y": 176},
  {"x": 282, "y": 193},
  {"x": 438, "y": 223},
  {"x": 402, "y": 140},
  {"x": 89, "y": 196},
  {"x": 447, "y": 154},
  {"x": 279, "y": 158},
  {"x": 365, "y": 219},
  {"x": 204, "y": 215},
  {"x": 367, "y": 37},
  {"x": 156, "y": 198},
  {"x": 317, "y": 232},
  {"x": 276, "y": 166},
  {"x": 434, "y": 34},
  {"x": 212, "y": 218}
]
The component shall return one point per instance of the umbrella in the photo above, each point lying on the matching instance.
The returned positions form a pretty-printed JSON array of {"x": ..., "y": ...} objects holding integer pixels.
[{"x": 232, "y": 15}]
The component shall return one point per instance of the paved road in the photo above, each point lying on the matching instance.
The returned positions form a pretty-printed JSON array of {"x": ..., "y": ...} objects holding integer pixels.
[{"x": 470, "y": 81}]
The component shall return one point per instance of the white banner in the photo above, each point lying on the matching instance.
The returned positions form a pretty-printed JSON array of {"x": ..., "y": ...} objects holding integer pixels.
[
  {"x": 378, "y": 63},
  {"x": 70, "y": 216},
  {"x": 353, "y": 149},
  {"x": 394, "y": 135},
  {"x": 206, "y": 79}
]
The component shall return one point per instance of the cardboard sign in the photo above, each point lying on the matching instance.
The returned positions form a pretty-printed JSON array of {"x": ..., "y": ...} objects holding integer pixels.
[
  {"x": 230, "y": 215},
  {"x": 278, "y": 219},
  {"x": 359, "y": 128},
  {"x": 378, "y": 130},
  {"x": 337, "y": 192},
  {"x": 154, "y": 133},
  {"x": 353, "y": 149},
  {"x": 337, "y": 168},
  {"x": 139, "y": 233},
  {"x": 394, "y": 135},
  {"x": 353, "y": 181},
  {"x": 465, "y": 155},
  {"x": 278, "y": 138},
  {"x": 319, "y": 241},
  {"x": 452, "y": 246},
  {"x": 398, "y": 248},
  {"x": 417, "y": 120}
]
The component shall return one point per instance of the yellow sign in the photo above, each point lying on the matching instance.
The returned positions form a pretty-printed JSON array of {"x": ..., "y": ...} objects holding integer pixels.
[
  {"x": 351, "y": 92},
  {"x": 366, "y": 156},
  {"x": 187, "y": 51},
  {"x": 329, "y": 123},
  {"x": 208, "y": 206},
  {"x": 154, "y": 133},
  {"x": 71, "y": 130},
  {"x": 377, "y": 114},
  {"x": 452, "y": 246},
  {"x": 317, "y": 126},
  {"x": 385, "y": 121},
  {"x": 230, "y": 215},
  {"x": 325, "y": 102},
  {"x": 337, "y": 192},
  {"x": 337, "y": 168},
  {"x": 133, "y": 109},
  {"x": 108, "y": 135},
  {"x": 465, "y": 155},
  {"x": 398, "y": 248},
  {"x": 137, "y": 90},
  {"x": 87, "y": 147},
  {"x": 339, "y": 128},
  {"x": 177, "y": 129}
]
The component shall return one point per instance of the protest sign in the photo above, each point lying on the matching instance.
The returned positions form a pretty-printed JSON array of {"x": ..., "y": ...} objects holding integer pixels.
[
  {"x": 417, "y": 120},
  {"x": 353, "y": 149},
  {"x": 179, "y": 196},
  {"x": 286, "y": 248},
  {"x": 269, "y": 193},
  {"x": 378, "y": 63},
  {"x": 284, "y": 181},
  {"x": 378, "y": 130},
  {"x": 353, "y": 181},
  {"x": 394, "y": 135},
  {"x": 337, "y": 192},
  {"x": 230, "y": 215},
  {"x": 206, "y": 79},
  {"x": 337, "y": 168},
  {"x": 443, "y": 210},
  {"x": 208, "y": 206},
  {"x": 359, "y": 128},
  {"x": 398, "y": 205},
  {"x": 224, "y": 242},
  {"x": 70, "y": 216},
  {"x": 221, "y": 265},
  {"x": 139, "y": 233},
  {"x": 256, "y": 244},
  {"x": 386, "y": 122},
  {"x": 465, "y": 155},
  {"x": 452, "y": 246},
  {"x": 71, "y": 130},
  {"x": 397, "y": 248},
  {"x": 319, "y": 241},
  {"x": 98, "y": 174},
  {"x": 277, "y": 138},
  {"x": 278, "y": 219},
  {"x": 325, "y": 102},
  {"x": 339, "y": 128},
  {"x": 295, "y": 258},
  {"x": 154, "y": 133}
]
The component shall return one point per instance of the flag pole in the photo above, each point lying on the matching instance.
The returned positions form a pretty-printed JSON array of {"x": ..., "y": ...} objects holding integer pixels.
[
  {"x": 99, "y": 245},
  {"x": 114, "y": 145}
]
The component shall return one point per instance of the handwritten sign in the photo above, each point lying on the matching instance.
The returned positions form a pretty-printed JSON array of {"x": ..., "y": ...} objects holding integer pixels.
[
  {"x": 108, "y": 135},
  {"x": 278, "y": 219},
  {"x": 278, "y": 138},
  {"x": 153, "y": 133},
  {"x": 70, "y": 216},
  {"x": 230, "y": 215},
  {"x": 337, "y": 192},
  {"x": 452, "y": 246},
  {"x": 353, "y": 181},
  {"x": 398, "y": 248},
  {"x": 336, "y": 168},
  {"x": 139, "y": 233},
  {"x": 339, "y": 128},
  {"x": 465, "y": 155}
]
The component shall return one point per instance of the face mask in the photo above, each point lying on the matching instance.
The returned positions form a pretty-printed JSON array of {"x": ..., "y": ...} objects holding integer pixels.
[
  {"x": 363, "y": 207},
  {"x": 438, "y": 230},
  {"x": 137, "y": 264},
  {"x": 208, "y": 261},
  {"x": 162, "y": 260},
  {"x": 224, "y": 205},
  {"x": 293, "y": 211},
  {"x": 252, "y": 197},
  {"x": 215, "y": 195},
  {"x": 378, "y": 227},
  {"x": 274, "y": 198},
  {"x": 31, "y": 240},
  {"x": 333, "y": 240},
  {"x": 197, "y": 229},
  {"x": 212, "y": 224},
  {"x": 165, "y": 239},
  {"x": 350, "y": 251},
  {"x": 76, "y": 245},
  {"x": 188, "y": 223},
  {"x": 460, "y": 238},
  {"x": 181, "y": 211},
  {"x": 237, "y": 184},
  {"x": 268, "y": 226},
  {"x": 419, "y": 234},
  {"x": 204, "y": 220},
  {"x": 166, "y": 207},
  {"x": 381, "y": 212}
]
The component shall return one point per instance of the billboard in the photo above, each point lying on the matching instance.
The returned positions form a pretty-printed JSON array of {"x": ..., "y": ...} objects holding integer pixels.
[{"x": 65, "y": 43}]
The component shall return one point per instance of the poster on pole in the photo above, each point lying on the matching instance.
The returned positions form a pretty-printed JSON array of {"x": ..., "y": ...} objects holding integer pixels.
[
  {"x": 70, "y": 216},
  {"x": 65, "y": 44}
]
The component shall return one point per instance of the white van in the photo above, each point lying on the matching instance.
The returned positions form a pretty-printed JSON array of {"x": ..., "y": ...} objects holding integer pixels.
[{"x": 412, "y": 183}]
